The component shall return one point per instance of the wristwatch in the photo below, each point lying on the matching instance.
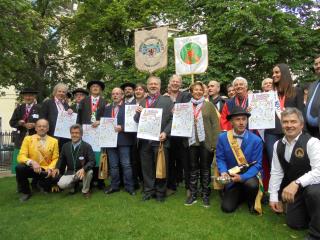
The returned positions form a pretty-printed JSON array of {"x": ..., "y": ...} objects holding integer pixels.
[{"x": 298, "y": 182}]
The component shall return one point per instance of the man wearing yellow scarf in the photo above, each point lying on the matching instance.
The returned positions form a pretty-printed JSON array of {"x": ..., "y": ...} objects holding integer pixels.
[
  {"x": 237, "y": 148},
  {"x": 37, "y": 159}
]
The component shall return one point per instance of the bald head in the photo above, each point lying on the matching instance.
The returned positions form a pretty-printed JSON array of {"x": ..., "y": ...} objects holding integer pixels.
[{"x": 42, "y": 127}]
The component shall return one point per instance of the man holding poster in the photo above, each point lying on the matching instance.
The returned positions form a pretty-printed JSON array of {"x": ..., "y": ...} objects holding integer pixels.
[
  {"x": 149, "y": 148},
  {"x": 120, "y": 155},
  {"x": 178, "y": 164}
]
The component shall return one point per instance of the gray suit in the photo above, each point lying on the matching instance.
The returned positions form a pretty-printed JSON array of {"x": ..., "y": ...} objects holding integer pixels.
[{"x": 149, "y": 150}]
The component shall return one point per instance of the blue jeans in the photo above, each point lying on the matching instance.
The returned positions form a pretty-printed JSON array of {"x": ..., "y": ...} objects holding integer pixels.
[
  {"x": 120, "y": 156},
  {"x": 270, "y": 140}
]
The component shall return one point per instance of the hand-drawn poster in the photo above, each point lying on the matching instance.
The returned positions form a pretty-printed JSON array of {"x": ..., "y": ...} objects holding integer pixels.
[
  {"x": 129, "y": 124},
  {"x": 64, "y": 122},
  {"x": 91, "y": 135},
  {"x": 262, "y": 110},
  {"x": 150, "y": 124},
  {"x": 108, "y": 136},
  {"x": 182, "y": 121}
]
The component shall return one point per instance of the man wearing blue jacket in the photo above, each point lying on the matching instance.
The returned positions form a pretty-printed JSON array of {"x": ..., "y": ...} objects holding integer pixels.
[{"x": 237, "y": 147}]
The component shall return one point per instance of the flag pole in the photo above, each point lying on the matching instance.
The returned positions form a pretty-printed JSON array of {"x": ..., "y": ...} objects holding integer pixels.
[{"x": 192, "y": 78}]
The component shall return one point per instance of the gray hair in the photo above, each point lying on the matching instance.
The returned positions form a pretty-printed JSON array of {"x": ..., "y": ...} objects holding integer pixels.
[
  {"x": 175, "y": 76},
  {"x": 58, "y": 86},
  {"x": 214, "y": 82},
  {"x": 240, "y": 79},
  {"x": 292, "y": 110},
  {"x": 154, "y": 77},
  {"x": 77, "y": 126},
  {"x": 264, "y": 80}
]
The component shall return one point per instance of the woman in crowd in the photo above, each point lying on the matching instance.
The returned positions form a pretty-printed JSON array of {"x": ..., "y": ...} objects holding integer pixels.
[
  {"x": 288, "y": 96},
  {"x": 202, "y": 143}
]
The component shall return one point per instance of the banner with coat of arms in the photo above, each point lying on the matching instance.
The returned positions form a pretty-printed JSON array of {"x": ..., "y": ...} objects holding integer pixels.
[
  {"x": 151, "y": 49},
  {"x": 191, "y": 54}
]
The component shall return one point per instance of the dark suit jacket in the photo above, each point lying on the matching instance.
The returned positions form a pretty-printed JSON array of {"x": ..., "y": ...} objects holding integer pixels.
[
  {"x": 311, "y": 90},
  {"x": 85, "y": 152},
  {"x": 217, "y": 100},
  {"x": 183, "y": 97},
  {"x": 18, "y": 115},
  {"x": 84, "y": 111},
  {"x": 166, "y": 104},
  {"x": 296, "y": 101},
  {"x": 49, "y": 111},
  {"x": 124, "y": 139}
]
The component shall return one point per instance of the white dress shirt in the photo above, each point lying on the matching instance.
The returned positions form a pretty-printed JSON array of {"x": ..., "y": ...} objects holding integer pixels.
[{"x": 309, "y": 178}]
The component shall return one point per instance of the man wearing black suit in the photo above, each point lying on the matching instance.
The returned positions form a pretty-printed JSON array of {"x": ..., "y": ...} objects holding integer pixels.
[
  {"x": 178, "y": 162},
  {"x": 75, "y": 162},
  {"x": 92, "y": 108},
  {"x": 78, "y": 94},
  {"x": 25, "y": 115},
  {"x": 149, "y": 148},
  {"x": 313, "y": 102},
  {"x": 52, "y": 107},
  {"x": 120, "y": 156},
  {"x": 128, "y": 89}
]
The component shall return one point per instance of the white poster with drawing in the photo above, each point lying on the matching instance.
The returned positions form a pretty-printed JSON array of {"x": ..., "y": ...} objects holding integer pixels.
[
  {"x": 108, "y": 136},
  {"x": 182, "y": 121},
  {"x": 63, "y": 124},
  {"x": 262, "y": 110},
  {"x": 91, "y": 135},
  {"x": 129, "y": 124},
  {"x": 150, "y": 124}
]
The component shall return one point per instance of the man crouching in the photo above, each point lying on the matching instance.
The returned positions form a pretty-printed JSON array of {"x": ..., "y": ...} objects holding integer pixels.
[{"x": 76, "y": 162}]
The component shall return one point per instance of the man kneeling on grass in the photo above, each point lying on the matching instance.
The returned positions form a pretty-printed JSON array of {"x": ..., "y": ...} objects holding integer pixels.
[
  {"x": 76, "y": 162},
  {"x": 237, "y": 148},
  {"x": 37, "y": 158},
  {"x": 295, "y": 175}
]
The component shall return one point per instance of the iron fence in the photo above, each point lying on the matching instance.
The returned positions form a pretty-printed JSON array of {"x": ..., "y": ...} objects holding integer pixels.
[{"x": 6, "y": 151}]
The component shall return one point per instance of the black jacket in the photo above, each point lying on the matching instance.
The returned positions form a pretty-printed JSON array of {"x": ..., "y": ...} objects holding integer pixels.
[
  {"x": 84, "y": 111},
  {"x": 84, "y": 158},
  {"x": 18, "y": 115},
  {"x": 49, "y": 111}
]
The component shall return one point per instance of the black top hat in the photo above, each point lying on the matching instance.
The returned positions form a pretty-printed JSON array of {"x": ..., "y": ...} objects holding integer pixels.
[
  {"x": 127, "y": 84},
  {"x": 80, "y": 90},
  {"x": 237, "y": 111},
  {"x": 101, "y": 84},
  {"x": 29, "y": 90}
]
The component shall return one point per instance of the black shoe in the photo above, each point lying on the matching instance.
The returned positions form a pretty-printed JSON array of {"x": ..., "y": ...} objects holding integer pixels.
[
  {"x": 206, "y": 202},
  {"x": 146, "y": 197},
  {"x": 25, "y": 197},
  {"x": 252, "y": 210},
  {"x": 190, "y": 201},
  {"x": 111, "y": 190}
]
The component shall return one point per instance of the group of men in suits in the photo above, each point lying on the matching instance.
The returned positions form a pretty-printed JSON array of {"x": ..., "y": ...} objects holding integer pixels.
[{"x": 234, "y": 146}]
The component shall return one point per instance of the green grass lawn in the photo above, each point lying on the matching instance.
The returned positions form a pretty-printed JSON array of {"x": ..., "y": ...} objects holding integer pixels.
[{"x": 121, "y": 216}]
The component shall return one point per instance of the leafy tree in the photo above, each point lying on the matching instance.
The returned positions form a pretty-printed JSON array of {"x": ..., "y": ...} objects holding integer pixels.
[{"x": 33, "y": 49}]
